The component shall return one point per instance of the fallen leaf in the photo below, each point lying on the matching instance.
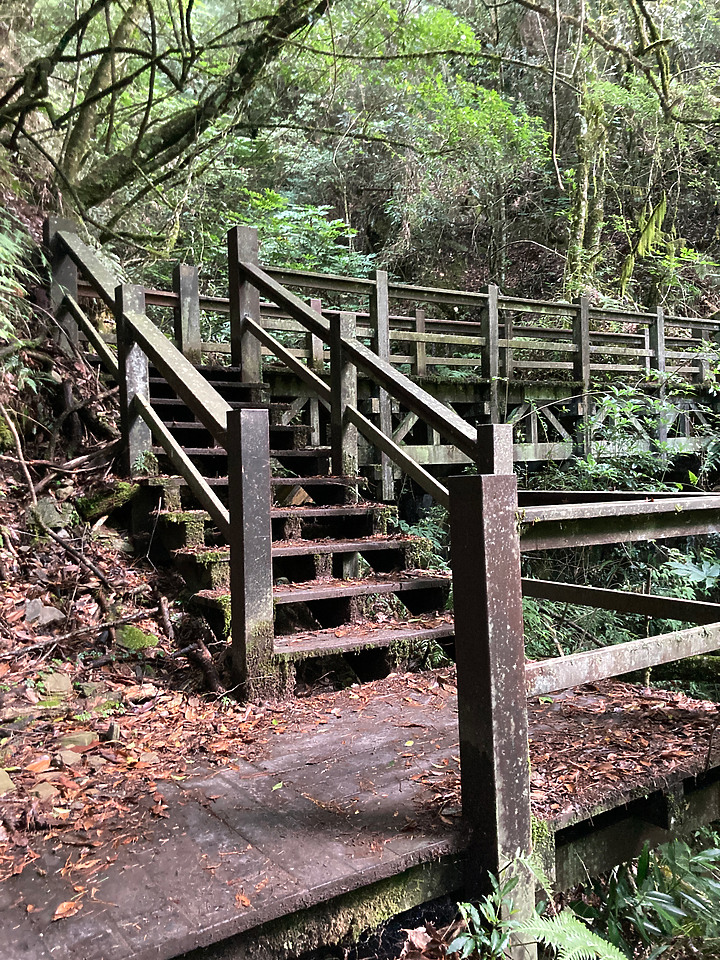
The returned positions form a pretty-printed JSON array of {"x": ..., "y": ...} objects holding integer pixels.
[
  {"x": 68, "y": 908},
  {"x": 241, "y": 900}
]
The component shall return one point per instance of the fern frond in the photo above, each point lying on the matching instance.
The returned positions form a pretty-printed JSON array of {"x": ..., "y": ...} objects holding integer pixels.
[{"x": 570, "y": 938}]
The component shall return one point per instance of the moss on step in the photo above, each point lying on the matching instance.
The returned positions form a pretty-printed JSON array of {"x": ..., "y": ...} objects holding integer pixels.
[
  {"x": 184, "y": 529},
  {"x": 106, "y": 500}
]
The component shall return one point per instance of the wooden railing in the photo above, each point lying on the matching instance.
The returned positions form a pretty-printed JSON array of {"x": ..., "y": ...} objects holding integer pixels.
[
  {"x": 488, "y": 534},
  {"x": 501, "y": 344},
  {"x": 509, "y": 335},
  {"x": 138, "y": 342}
]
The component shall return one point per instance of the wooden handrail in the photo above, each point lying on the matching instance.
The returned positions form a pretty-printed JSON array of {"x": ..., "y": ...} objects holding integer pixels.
[
  {"x": 440, "y": 417},
  {"x": 368, "y": 429},
  {"x": 177, "y": 456},
  {"x": 192, "y": 388}
]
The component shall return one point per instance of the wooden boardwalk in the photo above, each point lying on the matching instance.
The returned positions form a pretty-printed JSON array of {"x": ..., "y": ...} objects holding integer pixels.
[{"x": 348, "y": 813}]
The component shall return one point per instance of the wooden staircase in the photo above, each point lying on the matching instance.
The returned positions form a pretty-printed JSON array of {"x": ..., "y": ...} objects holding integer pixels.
[{"x": 343, "y": 581}]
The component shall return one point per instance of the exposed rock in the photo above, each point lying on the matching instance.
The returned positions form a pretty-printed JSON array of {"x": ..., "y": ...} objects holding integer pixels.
[
  {"x": 69, "y": 758},
  {"x": 57, "y": 684},
  {"x": 6, "y": 784},
  {"x": 79, "y": 738},
  {"x": 43, "y": 790}
]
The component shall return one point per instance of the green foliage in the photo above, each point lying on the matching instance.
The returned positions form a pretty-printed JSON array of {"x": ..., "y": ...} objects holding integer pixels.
[
  {"x": 569, "y": 938},
  {"x": 664, "y": 893},
  {"x": 488, "y": 929},
  {"x": 434, "y": 529}
]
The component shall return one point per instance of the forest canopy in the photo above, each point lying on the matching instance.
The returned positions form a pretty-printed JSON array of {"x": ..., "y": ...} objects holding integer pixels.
[{"x": 553, "y": 147}]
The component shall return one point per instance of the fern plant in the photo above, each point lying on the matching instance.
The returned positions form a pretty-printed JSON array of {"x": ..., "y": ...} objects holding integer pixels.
[{"x": 570, "y": 938}]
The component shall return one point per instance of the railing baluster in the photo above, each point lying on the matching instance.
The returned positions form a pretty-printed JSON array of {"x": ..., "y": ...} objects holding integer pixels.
[
  {"x": 133, "y": 377},
  {"x": 343, "y": 387},
  {"x": 254, "y": 669},
  {"x": 187, "y": 312},
  {"x": 420, "y": 364},
  {"x": 245, "y": 351},
  {"x": 581, "y": 373},
  {"x": 63, "y": 279},
  {"x": 490, "y": 364},
  {"x": 316, "y": 362},
  {"x": 658, "y": 364},
  {"x": 380, "y": 323}
]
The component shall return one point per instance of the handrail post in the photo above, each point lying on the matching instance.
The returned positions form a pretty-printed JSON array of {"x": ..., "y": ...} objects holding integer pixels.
[
  {"x": 490, "y": 363},
  {"x": 343, "y": 387},
  {"x": 492, "y": 703},
  {"x": 254, "y": 668},
  {"x": 133, "y": 377},
  {"x": 63, "y": 279},
  {"x": 658, "y": 364},
  {"x": 316, "y": 362},
  {"x": 581, "y": 372},
  {"x": 187, "y": 313},
  {"x": 380, "y": 323},
  {"x": 245, "y": 351},
  {"x": 506, "y": 359},
  {"x": 420, "y": 362},
  {"x": 702, "y": 368}
]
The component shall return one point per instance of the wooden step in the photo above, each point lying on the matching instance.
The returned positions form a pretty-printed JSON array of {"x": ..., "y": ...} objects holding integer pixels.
[
  {"x": 329, "y": 511},
  {"x": 299, "y": 548},
  {"x": 330, "y": 588},
  {"x": 362, "y": 636},
  {"x": 306, "y": 452}
]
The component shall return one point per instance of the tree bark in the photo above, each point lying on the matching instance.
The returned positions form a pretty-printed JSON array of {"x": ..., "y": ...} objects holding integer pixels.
[{"x": 164, "y": 143}]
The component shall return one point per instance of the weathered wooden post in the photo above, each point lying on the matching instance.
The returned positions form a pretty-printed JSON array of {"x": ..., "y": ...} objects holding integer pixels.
[
  {"x": 658, "y": 364},
  {"x": 63, "y": 279},
  {"x": 420, "y": 361},
  {"x": 316, "y": 362},
  {"x": 245, "y": 350},
  {"x": 506, "y": 358},
  {"x": 490, "y": 363},
  {"x": 702, "y": 367},
  {"x": 490, "y": 654},
  {"x": 343, "y": 434},
  {"x": 581, "y": 373},
  {"x": 380, "y": 323},
  {"x": 343, "y": 388},
  {"x": 255, "y": 669},
  {"x": 133, "y": 378},
  {"x": 187, "y": 312}
]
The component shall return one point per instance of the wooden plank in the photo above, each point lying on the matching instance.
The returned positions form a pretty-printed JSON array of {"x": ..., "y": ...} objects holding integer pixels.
[
  {"x": 549, "y": 676},
  {"x": 133, "y": 377},
  {"x": 422, "y": 338},
  {"x": 450, "y": 425},
  {"x": 192, "y": 388},
  {"x": 550, "y": 527},
  {"x": 90, "y": 266},
  {"x": 184, "y": 466},
  {"x": 624, "y": 601},
  {"x": 186, "y": 314},
  {"x": 398, "y": 455},
  {"x": 94, "y": 337}
]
